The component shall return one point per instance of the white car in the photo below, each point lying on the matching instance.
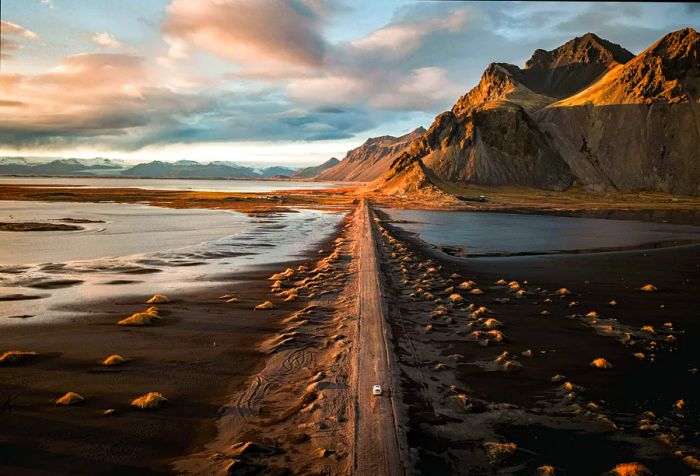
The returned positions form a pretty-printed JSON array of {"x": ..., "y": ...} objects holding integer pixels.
[{"x": 377, "y": 390}]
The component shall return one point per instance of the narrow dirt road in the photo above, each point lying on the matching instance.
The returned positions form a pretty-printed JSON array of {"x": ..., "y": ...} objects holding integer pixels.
[{"x": 376, "y": 436}]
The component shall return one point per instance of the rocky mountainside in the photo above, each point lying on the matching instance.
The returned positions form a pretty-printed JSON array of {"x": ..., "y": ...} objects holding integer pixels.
[
  {"x": 372, "y": 159},
  {"x": 311, "y": 172},
  {"x": 638, "y": 127},
  {"x": 588, "y": 113}
]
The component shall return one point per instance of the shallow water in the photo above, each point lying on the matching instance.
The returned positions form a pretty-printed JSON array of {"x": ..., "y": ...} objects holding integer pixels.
[
  {"x": 480, "y": 233},
  {"x": 202, "y": 185},
  {"x": 138, "y": 249}
]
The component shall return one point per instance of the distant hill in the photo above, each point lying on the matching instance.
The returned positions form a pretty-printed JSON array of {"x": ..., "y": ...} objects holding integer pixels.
[
  {"x": 588, "y": 112},
  {"x": 311, "y": 172},
  {"x": 276, "y": 171},
  {"x": 155, "y": 169},
  {"x": 188, "y": 169},
  {"x": 370, "y": 160},
  {"x": 21, "y": 166}
]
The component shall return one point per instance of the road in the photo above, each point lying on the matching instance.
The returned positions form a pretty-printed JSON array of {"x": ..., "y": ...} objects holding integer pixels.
[{"x": 376, "y": 436}]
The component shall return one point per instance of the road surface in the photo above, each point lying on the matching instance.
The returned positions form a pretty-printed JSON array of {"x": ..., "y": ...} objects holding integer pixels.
[{"x": 376, "y": 436}]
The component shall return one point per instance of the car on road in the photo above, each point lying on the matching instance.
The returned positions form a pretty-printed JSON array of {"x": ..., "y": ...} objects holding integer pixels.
[{"x": 377, "y": 390}]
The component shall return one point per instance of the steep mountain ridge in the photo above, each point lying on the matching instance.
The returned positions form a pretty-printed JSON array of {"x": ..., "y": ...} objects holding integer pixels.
[
  {"x": 638, "y": 128},
  {"x": 632, "y": 123},
  {"x": 571, "y": 67},
  {"x": 370, "y": 160},
  {"x": 668, "y": 71}
]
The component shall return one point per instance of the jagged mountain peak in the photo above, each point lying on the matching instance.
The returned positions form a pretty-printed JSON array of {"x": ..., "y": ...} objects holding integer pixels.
[
  {"x": 668, "y": 71},
  {"x": 586, "y": 49}
]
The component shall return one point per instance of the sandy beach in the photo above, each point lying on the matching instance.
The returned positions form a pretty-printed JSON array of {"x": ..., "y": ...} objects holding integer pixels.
[
  {"x": 201, "y": 351},
  {"x": 491, "y": 366},
  {"x": 504, "y": 367}
]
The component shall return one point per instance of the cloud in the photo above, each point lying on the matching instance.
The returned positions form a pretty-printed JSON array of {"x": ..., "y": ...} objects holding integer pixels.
[
  {"x": 9, "y": 44},
  {"x": 107, "y": 40},
  {"x": 424, "y": 89},
  {"x": 47, "y": 3},
  {"x": 110, "y": 100},
  {"x": 85, "y": 95},
  {"x": 6, "y": 45},
  {"x": 401, "y": 38},
  {"x": 9, "y": 28},
  {"x": 273, "y": 37},
  {"x": 327, "y": 90}
]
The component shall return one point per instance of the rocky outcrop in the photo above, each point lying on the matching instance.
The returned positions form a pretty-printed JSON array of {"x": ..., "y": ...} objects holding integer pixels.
[
  {"x": 573, "y": 66},
  {"x": 638, "y": 128},
  {"x": 587, "y": 112},
  {"x": 311, "y": 172},
  {"x": 372, "y": 159}
]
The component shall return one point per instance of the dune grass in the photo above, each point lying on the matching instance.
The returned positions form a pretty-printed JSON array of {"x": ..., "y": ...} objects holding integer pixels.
[
  {"x": 13, "y": 356},
  {"x": 149, "y": 401}
]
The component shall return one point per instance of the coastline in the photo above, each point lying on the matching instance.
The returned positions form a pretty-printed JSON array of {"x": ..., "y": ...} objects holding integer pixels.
[
  {"x": 468, "y": 391},
  {"x": 202, "y": 350},
  {"x": 275, "y": 391}
]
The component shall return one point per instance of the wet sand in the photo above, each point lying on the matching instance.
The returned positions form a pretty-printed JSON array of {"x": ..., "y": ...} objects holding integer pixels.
[
  {"x": 37, "y": 226},
  {"x": 200, "y": 352},
  {"x": 477, "y": 386},
  {"x": 461, "y": 397}
]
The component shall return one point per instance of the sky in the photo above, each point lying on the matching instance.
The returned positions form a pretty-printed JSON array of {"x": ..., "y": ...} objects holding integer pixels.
[{"x": 290, "y": 82}]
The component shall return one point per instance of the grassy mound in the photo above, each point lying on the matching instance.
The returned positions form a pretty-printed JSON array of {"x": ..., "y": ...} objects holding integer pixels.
[
  {"x": 149, "y": 401},
  {"x": 70, "y": 398},
  {"x": 12, "y": 356},
  {"x": 264, "y": 306},
  {"x": 113, "y": 359},
  {"x": 601, "y": 363},
  {"x": 630, "y": 469},
  {"x": 158, "y": 299},
  {"x": 143, "y": 318}
]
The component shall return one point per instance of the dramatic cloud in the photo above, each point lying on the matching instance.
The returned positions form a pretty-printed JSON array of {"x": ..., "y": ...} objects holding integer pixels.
[
  {"x": 6, "y": 45},
  {"x": 269, "y": 38},
  {"x": 423, "y": 89},
  {"x": 107, "y": 40},
  {"x": 8, "y": 28},
  {"x": 85, "y": 95},
  {"x": 328, "y": 90},
  {"x": 9, "y": 44},
  {"x": 401, "y": 38}
]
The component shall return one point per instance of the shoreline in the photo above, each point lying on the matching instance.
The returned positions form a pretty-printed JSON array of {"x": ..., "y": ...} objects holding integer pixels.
[
  {"x": 474, "y": 380},
  {"x": 200, "y": 352},
  {"x": 645, "y": 206},
  {"x": 276, "y": 392}
]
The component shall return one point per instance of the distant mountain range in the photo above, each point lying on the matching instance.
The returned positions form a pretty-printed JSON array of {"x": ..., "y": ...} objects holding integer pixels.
[
  {"x": 587, "y": 113},
  {"x": 154, "y": 169},
  {"x": 311, "y": 172}
]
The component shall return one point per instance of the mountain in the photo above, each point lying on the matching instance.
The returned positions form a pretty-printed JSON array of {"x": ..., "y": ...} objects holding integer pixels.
[
  {"x": 276, "y": 171},
  {"x": 194, "y": 169},
  {"x": 189, "y": 169},
  {"x": 311, "y": 172},
  {"x": 571, "y": 67},
  {"x": 23, "y": 166},
  {"x": 587, "y": 112},
  {"x": 101, "y": 166},
  {"x": 638, "y": 127},
  {"x": 371, "y": 159}
]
